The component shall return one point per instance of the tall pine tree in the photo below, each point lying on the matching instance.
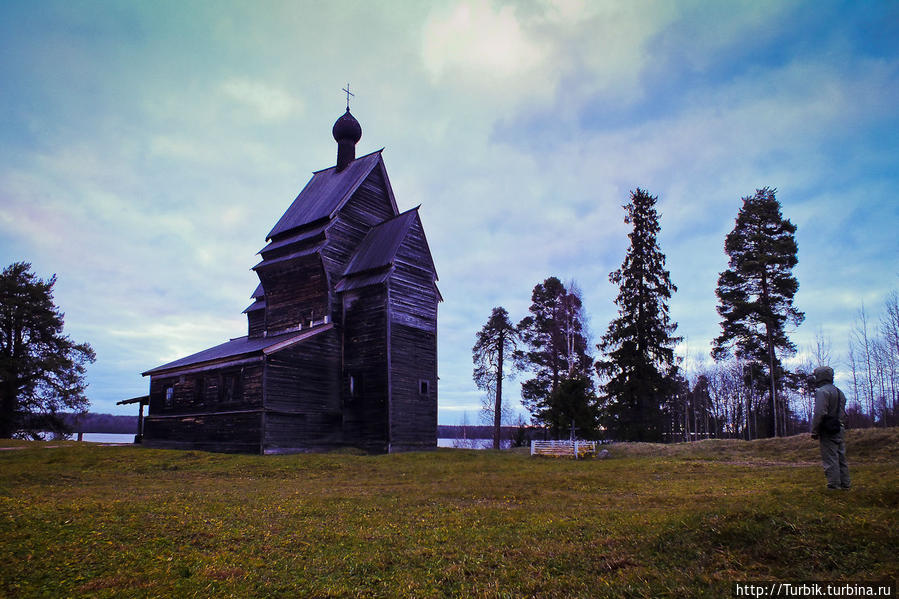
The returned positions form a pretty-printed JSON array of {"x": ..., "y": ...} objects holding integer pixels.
[
  {"x": 639, "y": 345},
  {"x": 492, "y": 355},
  {"x": 556, "y": 340},
  {"x": 755, "y": 294}
]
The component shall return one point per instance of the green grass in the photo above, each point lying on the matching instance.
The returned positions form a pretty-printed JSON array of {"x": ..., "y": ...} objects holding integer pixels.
[{"x": 651, "y": 521}]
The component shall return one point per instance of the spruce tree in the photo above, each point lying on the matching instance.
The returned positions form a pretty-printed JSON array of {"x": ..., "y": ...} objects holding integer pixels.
[
  {"x": 638, "y": 347},
  {"x": 755, "y": 294}
]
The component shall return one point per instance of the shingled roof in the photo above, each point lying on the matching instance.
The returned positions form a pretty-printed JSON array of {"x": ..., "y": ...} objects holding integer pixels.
[
  {"x": 326, "y": 192},
  {"x": 380, "y": 245},
  {"x": 240, "y": 348},
  {"x": 377, "y": 252}
]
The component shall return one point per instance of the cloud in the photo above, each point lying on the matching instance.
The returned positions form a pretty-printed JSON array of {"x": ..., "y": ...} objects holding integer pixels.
[
  {"x": 485, "y": 45},
  {"x": 269, "y": 102},
  {"x": 516, "y": 57}
]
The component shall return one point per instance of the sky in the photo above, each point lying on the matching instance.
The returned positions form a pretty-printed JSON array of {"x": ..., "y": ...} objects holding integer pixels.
[{"x": 146, "y": 148}]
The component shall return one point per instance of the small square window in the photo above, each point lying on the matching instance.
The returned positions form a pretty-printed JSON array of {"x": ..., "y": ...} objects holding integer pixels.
[{"x": 424, "y": 387}]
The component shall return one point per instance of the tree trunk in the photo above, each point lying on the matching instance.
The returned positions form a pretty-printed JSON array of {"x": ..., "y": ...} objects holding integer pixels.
[
  {"x": 498, "y": 405},
  {"x": 773, "y": 405},
  {"x": 769, "y": 339},
  {"x": 7, "y": 409}
]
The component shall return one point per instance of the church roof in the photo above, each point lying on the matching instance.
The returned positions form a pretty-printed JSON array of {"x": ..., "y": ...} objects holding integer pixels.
[
  {"x": 377, "y": 252},
  {"x": 325, "y": 192},
  {"x": 258, "y": 304},
  {"x": 379, "y": 247},
  {"x": 241, "y": 346}
]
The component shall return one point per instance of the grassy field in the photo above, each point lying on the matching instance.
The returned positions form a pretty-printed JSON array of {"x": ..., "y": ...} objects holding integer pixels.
[{"x": 650, "y": 521}]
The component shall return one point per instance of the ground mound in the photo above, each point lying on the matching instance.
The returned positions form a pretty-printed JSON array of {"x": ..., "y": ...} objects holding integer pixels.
[{"x": 876, "y": 445}]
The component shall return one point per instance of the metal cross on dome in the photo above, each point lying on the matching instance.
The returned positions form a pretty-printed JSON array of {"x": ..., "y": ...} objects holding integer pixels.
[{"x": 348, "y": 94}]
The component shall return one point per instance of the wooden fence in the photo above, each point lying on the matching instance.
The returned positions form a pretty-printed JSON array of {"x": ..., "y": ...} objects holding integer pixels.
[{"x": 563, "y": 449}]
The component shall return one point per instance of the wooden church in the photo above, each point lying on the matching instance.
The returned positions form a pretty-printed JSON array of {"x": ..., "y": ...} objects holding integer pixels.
[{"x": 341, "y": 346}]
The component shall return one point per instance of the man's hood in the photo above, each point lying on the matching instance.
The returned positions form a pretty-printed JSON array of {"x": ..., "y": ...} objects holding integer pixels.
[{"x": 823, "y": 375}]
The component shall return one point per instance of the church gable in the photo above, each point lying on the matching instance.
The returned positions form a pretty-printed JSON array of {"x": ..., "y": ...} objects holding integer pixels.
[
  {"x": 369, "y": 205},
  {"x": 415, "y": 251},
  {"x": 413, "y": 290},
  {"x": 374, "y": 256}
]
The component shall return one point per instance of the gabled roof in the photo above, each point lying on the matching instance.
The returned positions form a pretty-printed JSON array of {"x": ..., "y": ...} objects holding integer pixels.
[
  {"x": 259, "y": 304},
  {"x": 304, "y": 252},
  {"x": 379, "y": 247},
  {"x": 373, "y": 261},
  {"x": 299, "y": 237},
  {"x": 242, "y": 346},
  {"x": 327, "y": 192}
]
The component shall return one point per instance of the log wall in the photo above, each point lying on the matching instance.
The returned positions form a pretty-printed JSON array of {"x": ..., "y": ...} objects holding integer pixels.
[
  {"x": 296, "y": 290},
  {"x": 256, "y": 323},
  {"x": 302, "y": 398},
  {"x": 413, "y": 410},
  {"x": 225, "y": 432},
  {"x": 365, "y": 360}
]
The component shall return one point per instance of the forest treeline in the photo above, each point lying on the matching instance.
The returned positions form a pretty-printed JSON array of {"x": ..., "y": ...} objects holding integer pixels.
[
  {"x": 632, "y": 385},
  {"x": 89, "y": 422}
]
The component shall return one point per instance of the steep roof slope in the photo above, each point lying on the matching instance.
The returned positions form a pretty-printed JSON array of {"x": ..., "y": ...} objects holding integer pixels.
[
  {"x": 326, "y": 192},
  {"x": 378, "y": 248}
]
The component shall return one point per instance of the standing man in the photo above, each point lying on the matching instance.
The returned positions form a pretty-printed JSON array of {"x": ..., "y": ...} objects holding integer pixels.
[{"x": 830, "y": 404}]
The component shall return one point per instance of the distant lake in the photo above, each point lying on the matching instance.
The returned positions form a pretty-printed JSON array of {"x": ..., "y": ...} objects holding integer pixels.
[
  {"x": 106, "y": 437},
  {"x": 466, "y": 443}
]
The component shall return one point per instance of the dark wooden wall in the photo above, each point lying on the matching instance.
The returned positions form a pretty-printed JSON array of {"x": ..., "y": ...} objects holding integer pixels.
[
  {"x": 225, "y": 432},
  {"x": 413, "y": 415},
  {"x": 413, "y": 295},
  {"x": 413, "y": 345},
  {"x": 365, "y": 359},
  {"x": 302, "y": 399},
  {"x": 295, "y": 289},
  {"x": 218, "y": 409},
  {"x": 205, "y": 391},
  {"x": 256, "y": 322}
]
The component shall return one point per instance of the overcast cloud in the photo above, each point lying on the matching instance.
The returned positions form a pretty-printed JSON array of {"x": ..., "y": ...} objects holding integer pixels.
[{"x": 147, "y": 148}]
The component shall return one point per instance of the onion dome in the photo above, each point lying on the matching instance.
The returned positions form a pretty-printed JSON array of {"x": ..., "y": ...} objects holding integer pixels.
[
  {"x": 347, "y": 132},
  {"x": 347, "y": 127}
]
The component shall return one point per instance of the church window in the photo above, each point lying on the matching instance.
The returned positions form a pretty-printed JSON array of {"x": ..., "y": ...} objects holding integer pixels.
[
  {"x": 230, "y": 389},
  {"x": 169, "y": 397},
  {"x": 199, "y": 389},
  {"x": 424, "y": 387},
  {"x": 354, "y": 382}
]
